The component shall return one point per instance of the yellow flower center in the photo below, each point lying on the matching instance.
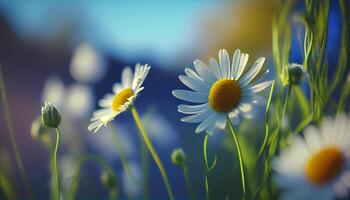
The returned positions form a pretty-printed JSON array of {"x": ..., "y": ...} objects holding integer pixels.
[
  {"x": 324, "y": 165},
  {"x": 121, "y": 98},
  {"x": 224, "y": 95}
]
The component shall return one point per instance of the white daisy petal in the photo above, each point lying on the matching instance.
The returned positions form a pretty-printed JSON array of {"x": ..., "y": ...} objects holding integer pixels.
[
  {"x": 101, "y": 112},
  {"x": 105, "y": 102},
  {"x": 140, "y": 77},
  {"x": 188, "y": 109},
  {"x": 235, "y": 63},
  {"x": 190, "y": 73},
  {"x": 261, "y": 86},
  {"x": 127, "y": 77},
  {"x": 197, "y": 117},
  {"x": 208, "y": 123},
  {"x": 224, "y": 61},
  {"x": 312, "y": 138},
  {"x": 204, "y": 71},
  {"x": 254, "y": 70},
  {"x": 215, "y": 67},
  {"x": 117, "y": 87},
  {"x": 221, "y": 121},
  {"x": 194, "y": 84},
  {"x": 245, "y": 107},
  {"x": 186, "y": 95},
  {"x": 242, "y": 64}
]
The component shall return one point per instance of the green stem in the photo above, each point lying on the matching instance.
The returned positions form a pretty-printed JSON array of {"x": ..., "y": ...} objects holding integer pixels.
[
  {"x": 206, "y": 166},
  {"x": 122, "y": 154},
  {"x": 303, "y": 124},
  {"x": 188, "y": 182},
  {"x": 13, "y": 137},
  {"x": 286, "y": 101},
  {"x": 154, "y": 154},
  {"x": 284, "y": 112},
  {"x": 51, "y": 151},
  {"x": 266, "y": 122},
  {"x": 239, "y": 155},
  {"x": 55, "y": 164},
  {"x": 145, "y": 169},
  {"x": 145, "y": 160},
  {"x": 75, "y": 182}
]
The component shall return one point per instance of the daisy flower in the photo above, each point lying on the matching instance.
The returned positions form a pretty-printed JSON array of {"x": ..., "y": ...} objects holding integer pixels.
[
  {"x": 123, "y": 96},
  {"x": 318, "y": 165},
  {"x": 221, "y": 90}
]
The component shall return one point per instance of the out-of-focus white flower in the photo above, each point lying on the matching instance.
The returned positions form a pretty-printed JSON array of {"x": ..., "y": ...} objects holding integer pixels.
[
  {"x": 54, "y": 91},
  {"x": 106, "y": 145},
  {"x": 133, "y": 186},
  {"x": 160, "y": 130},
  {"x": 68, "y": 166},
  {"x": 87, "y": 64},
  {"x": 78, "y": 101},
  {"x": 318, "y": 165}
]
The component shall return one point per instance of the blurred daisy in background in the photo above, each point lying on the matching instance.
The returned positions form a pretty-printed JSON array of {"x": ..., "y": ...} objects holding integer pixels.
[
  {"x": 87, "y": 64},
  {"x": 318, "y": 165},
  {"x": 54, "y": 91},
  {"x": 75, "y": 102},
  {"x": 68, "y": 166},
  {"x": 123, "y": 96},
  {"x": 161, "y": 131},
  {"x": 105, "y": 143},
  {"x": 133, "y": 188},
  {"x": 78, "y": 101},
  {"x": 221, "y": 90}
]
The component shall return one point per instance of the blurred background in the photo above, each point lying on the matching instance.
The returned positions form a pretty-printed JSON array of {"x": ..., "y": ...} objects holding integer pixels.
[{"x": 71, "y": 53}]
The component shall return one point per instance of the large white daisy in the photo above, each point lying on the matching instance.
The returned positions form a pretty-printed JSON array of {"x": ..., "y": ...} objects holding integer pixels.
[
  {"x": 221, "y": 90},
  {"x": 123, "y": 96},
  {"x": 318, "y": 165}
]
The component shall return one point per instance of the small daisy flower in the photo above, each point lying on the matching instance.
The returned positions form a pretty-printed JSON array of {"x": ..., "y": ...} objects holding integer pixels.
[
  {"x": 123, "y": 96},
  {"x": 318, "y": 165},
  {"x": 221, "y": 90}
]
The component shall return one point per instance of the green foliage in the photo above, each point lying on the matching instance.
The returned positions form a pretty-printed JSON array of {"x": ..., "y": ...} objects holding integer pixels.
[{"x": 322, "y": 86}]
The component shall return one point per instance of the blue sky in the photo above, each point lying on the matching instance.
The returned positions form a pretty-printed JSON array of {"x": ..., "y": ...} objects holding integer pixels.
[{"x": 123, "y": 28}]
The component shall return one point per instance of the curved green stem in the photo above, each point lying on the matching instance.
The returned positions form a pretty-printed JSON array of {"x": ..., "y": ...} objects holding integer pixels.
[
  {"x": 122, "y": 154},
  {"x": 154, "y": 154},
  {"x": 266, "y": 122},
  {"x": 13, "y": 137},
  {"x": 239, "y": 155},
  {"x": 188, "y": 182},
  {"x": 55, "y": 171},
  {"x": 206, "y": 165},
  {"x": 286, "y": 101}
]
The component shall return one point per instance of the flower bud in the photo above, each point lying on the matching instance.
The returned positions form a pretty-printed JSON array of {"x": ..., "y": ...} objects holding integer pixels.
[
  {"x": 109, "y": 180},
  {"x": 178, "y": 157},
  {"x": 50, "y": 116},
  {"x": 296, "y": 73}
]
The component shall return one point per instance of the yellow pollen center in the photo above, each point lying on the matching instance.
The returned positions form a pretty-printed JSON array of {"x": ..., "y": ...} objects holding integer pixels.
[
  {"x": 324, "y": 166},
  {"x": 121, "y": 98},
  {"x": 224, "y": 95}
]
